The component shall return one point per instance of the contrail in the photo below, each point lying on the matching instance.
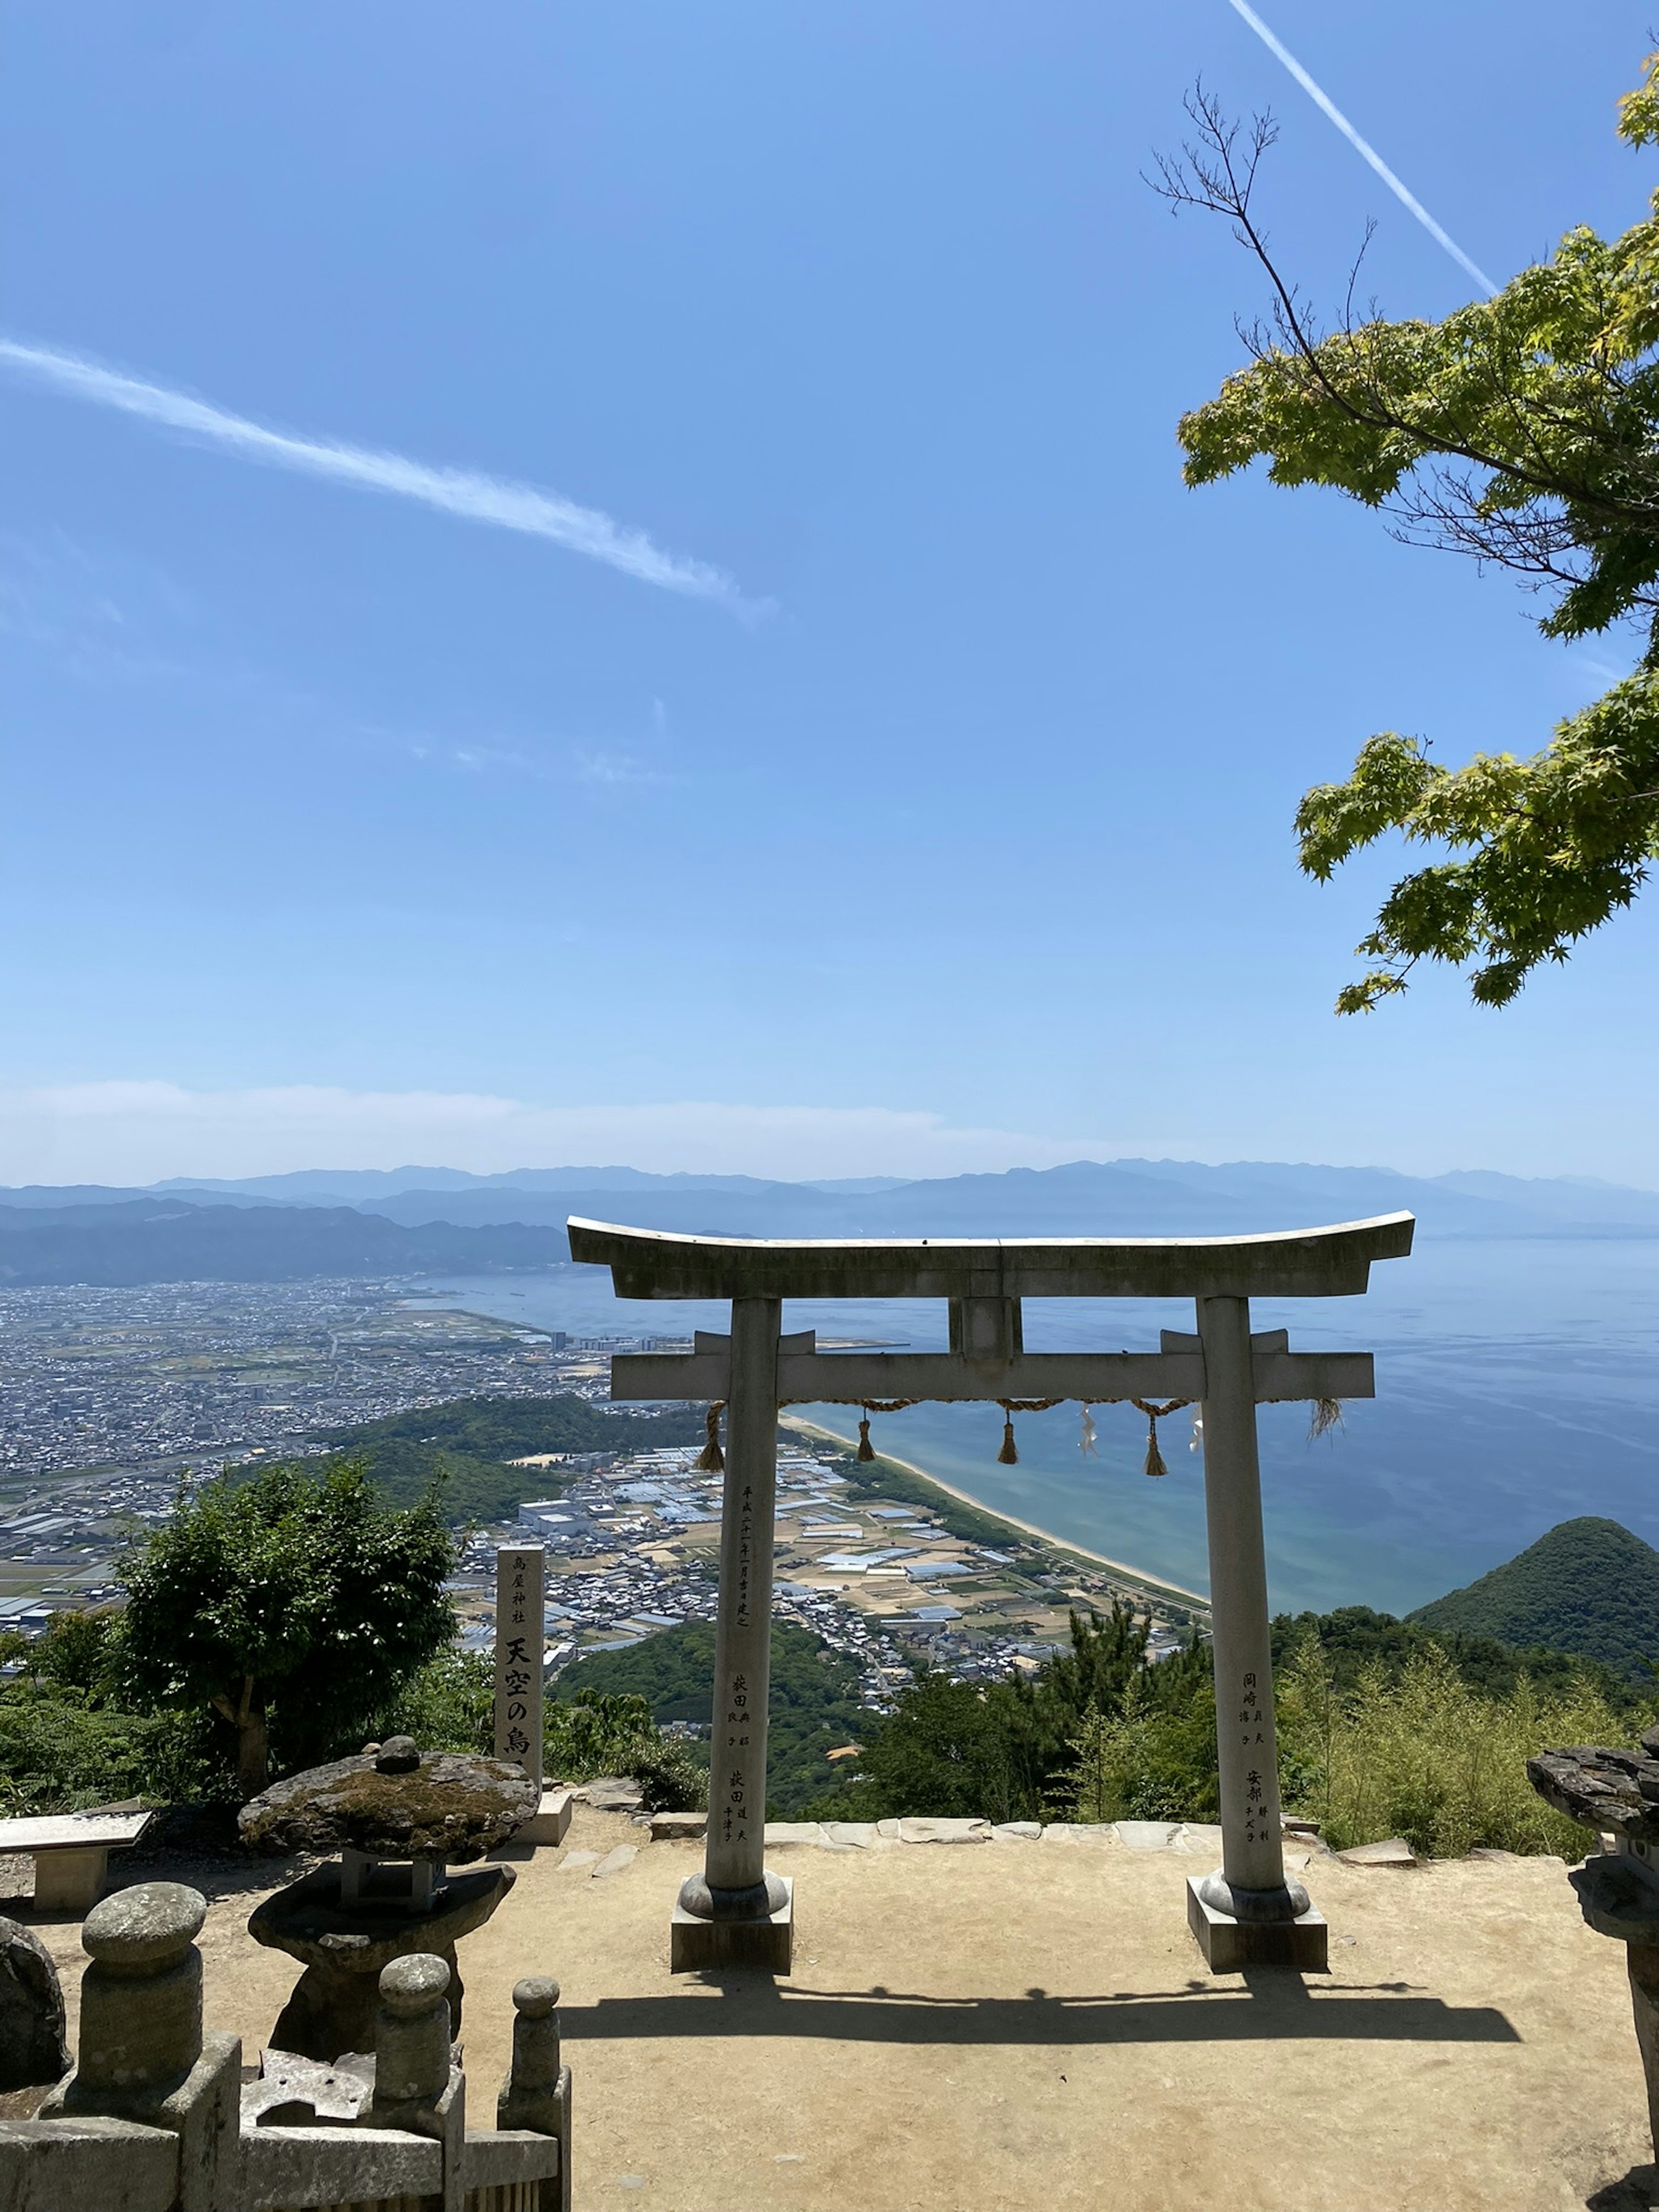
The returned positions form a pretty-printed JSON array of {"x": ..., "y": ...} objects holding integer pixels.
[
  {"x": 1369, "y": 153},
  {"x": 455, "y": 491}
]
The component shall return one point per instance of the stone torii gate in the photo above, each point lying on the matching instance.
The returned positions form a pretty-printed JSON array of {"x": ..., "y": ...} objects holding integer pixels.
[{"x": 1245, "y": 1913}]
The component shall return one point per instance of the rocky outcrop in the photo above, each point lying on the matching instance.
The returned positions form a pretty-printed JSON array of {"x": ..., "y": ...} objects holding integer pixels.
[{"x": 32, "y": 2045}]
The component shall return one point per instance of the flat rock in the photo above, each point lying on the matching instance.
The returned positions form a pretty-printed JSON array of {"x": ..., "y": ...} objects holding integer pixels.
[
  {"x": 857, "y": 1835},
  {"x": 944, "y": 1832},
  {"x": 453, "y": 1806},
  {"x": 794, "y": 1831},
  {"x": 1017, "y": 1832},
  {"x": 614, "y": 1862},
  {"x": 1199, "y": 1836},
  {"x": 1147, "y": 1835},
  {"x": 572, "y": 1861},
  {"x": 1393, "y": 1851},
  {"x": 1087, "y": 1832},
  {"x": 613, "y": 1793},
  {"x": 31, "y": 2044},
  {"x": 678, "y": 1828}
]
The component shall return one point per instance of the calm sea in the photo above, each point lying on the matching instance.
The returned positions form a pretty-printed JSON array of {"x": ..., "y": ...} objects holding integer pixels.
[{"x": 1517, "y": 1386}]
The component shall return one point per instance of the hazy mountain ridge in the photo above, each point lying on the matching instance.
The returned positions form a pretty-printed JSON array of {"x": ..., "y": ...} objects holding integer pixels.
[
  {"x": 266, "y": 1230},
  {"x": 157, "y": 1240}
]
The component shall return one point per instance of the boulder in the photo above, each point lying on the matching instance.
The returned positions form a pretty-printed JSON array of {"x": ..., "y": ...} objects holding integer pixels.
[{"x": 32, "y": 2045}]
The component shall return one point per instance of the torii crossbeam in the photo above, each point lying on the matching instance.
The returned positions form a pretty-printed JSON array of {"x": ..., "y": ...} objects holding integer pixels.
[{"x": 1245, "y": 1913}]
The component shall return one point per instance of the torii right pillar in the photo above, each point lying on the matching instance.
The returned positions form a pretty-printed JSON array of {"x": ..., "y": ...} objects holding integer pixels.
[{"x": 1246, "y": 1913}]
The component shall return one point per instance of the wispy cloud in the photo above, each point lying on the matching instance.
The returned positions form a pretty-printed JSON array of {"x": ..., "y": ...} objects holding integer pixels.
[
  {"x": 616, "y": 771},
  {"x": 1366, "y": 151},
  {"x": 477, "y": 498},
  {"x": 137, "y": 1132}
]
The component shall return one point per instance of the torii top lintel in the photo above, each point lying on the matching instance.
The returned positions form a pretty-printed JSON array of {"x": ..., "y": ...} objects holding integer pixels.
[{"x": 1300, "y": 1263}]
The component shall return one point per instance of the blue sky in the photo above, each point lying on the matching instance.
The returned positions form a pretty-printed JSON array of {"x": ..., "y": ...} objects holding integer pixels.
[{"x": 953, "y": 831}]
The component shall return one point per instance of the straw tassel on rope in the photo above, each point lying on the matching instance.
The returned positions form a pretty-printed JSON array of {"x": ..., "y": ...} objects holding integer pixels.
[
  {"x": 1154, "y": 1415},
  {"x": 711, "y": 1459},
  {"x": 1009, "y": 1456},
  {"x": 867, "y": 1450}
]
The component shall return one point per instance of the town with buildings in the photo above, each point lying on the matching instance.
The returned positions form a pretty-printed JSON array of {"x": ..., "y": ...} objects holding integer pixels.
[{"x": 112, "y": 1397}]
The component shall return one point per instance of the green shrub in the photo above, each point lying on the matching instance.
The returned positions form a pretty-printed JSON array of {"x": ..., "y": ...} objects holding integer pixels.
[
  {"x": 449, "y": 1704},
  {"x": 616, "y": 1734},
  {"x": 59, "y": 1753},
  {"x": 1423, "y": 1755},
  {"x": 1150, "y": 1761}
]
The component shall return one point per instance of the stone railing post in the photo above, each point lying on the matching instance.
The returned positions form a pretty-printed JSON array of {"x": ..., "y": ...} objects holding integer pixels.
[
  {"x": 411, "y": 2033},
  {"x": 535, "y": 2094},
  {"x": 140, "y": 1998},
  {"x": 417, "y": 2087},
  {"x": 143, "y": 2054}
]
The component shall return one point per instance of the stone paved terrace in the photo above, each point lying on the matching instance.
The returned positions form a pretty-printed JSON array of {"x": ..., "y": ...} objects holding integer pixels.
[{"x": 1010, "y": 2026}]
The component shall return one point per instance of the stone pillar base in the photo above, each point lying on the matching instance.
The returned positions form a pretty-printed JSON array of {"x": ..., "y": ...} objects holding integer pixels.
[
  {"x": 1229, "y": 1945},
  {"x": 70, "y": 1880},
  {"x": 550, "y": 1822},
  {"x": 695, "y": 1943}
]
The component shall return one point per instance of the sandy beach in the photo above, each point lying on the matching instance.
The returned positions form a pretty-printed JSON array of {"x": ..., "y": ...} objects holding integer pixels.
[{"x": 1136, "y": 1575}]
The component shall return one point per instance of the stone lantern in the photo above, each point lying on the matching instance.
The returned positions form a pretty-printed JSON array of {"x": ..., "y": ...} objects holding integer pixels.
[
  {"x": 1615, "y": 1794},
  {"x": 400, "y": 1821}
]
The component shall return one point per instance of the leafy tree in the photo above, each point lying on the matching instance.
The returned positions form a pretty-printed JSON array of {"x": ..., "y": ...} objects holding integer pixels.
[
  {"x": 78, "y": 1652},
  {"x": 294, "y": 1587},
  {"x": 814, "y": 1703},
  {"x": 1522, "y": 430}
]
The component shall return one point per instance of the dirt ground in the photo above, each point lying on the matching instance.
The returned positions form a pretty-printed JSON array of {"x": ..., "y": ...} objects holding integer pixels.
[{"x": 1008, "y": 2027}]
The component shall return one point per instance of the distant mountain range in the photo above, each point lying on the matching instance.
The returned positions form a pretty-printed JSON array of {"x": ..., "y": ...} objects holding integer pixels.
[{"x": 420, "y": 1220}]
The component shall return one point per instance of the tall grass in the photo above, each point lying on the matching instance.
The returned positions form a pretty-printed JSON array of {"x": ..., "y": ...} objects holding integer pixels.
[
  {"x": 1423, "y": 1756},
  {"x": 1414, "y": 1753}
]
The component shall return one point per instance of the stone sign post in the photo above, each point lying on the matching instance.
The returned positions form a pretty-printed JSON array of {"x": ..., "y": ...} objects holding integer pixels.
[
  {"x": 520, "y": 1641},
  {"x": 1243, "y": 1914}
]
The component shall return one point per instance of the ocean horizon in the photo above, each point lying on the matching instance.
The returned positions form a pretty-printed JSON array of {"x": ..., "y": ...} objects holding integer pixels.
[{"x": 1517, "y": 1386}]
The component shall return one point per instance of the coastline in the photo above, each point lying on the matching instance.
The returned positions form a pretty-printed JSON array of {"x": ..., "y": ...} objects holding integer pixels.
[{"x": 1135, "y": 1575}]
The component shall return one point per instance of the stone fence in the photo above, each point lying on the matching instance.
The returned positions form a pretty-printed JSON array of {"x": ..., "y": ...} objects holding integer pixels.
[{"x": 156, "y": 2117}]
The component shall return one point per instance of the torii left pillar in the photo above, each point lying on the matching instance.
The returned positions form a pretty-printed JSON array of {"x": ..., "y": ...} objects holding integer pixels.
[
  {"x": 734, "y": 1913},
  {"x": 1246, "y": 1913}
]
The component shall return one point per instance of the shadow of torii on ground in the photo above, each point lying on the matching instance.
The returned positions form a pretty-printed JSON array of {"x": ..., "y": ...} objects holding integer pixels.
[{"x": 1273, "y": 2006}]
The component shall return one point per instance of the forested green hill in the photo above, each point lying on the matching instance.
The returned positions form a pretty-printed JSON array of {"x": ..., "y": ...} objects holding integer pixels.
[
  {"x": 1355, "y": 1639},
  {"x": 469, "y": 1441},
  {"x": 1588, "y": 1586},
  {"x": 814, "y": 1701}
]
